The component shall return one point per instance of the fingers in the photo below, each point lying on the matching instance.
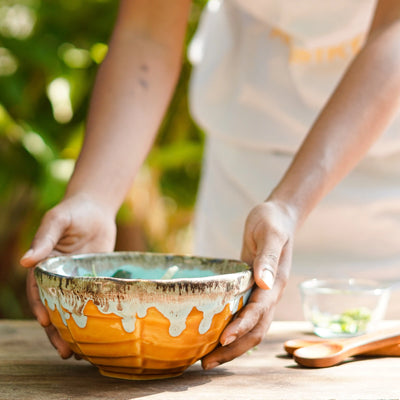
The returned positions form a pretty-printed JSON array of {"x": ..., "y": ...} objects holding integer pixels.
[
  {"x": 36, "y": 305},
  {"x": 50, "y": 231},
  {"x": 224, "y": 354},
  {"x": 247, "y": 330},
  {"x": 247, "y": 318},
  {"x": 41, "y": 314},
  {"x": 58, "y": 343}
]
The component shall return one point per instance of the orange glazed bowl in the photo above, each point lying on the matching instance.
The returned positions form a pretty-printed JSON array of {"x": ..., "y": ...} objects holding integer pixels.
[{"x": 142, "y": 315}]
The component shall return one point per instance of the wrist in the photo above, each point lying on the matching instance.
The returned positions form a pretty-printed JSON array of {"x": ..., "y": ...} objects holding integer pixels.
[
  {"x": 108, "y": 209},
  {"x": 290, "y": 210}
]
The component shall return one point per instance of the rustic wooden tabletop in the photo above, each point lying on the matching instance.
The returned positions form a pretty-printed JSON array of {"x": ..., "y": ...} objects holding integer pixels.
[{"x": 31, "y": 369}]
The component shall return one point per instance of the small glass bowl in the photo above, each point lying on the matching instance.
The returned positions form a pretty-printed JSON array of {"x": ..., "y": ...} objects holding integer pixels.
[{"x": 343, "y": 307}]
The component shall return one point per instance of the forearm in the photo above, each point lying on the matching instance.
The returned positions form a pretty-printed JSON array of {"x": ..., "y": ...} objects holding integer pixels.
[
  {"x": 361, "y": 108},
  {"x": 131, "y": 93}
]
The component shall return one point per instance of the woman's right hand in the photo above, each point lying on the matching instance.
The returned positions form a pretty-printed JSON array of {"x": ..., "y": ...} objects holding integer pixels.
[{"x": 76, "y": 225}]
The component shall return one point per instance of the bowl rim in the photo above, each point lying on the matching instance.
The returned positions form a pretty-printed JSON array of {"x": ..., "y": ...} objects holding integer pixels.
[
  {"x": 325, "y": 285},
  {"x": 247, "y": 271}
]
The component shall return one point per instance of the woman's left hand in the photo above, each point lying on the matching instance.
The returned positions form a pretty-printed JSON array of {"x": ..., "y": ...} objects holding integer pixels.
[{"x": 267, "y": 246}]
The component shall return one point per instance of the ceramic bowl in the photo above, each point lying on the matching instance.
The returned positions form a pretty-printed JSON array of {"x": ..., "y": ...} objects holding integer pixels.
[
  {"x": 142, "y": 315},
  {"x": 344, "y": 307}
]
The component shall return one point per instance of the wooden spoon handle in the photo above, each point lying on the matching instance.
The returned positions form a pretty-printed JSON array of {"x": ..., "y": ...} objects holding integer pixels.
[
  {"x": 333, "y": 352},
  {"x": 388, "y": 351},
  {"x": 292, "y": 345}
]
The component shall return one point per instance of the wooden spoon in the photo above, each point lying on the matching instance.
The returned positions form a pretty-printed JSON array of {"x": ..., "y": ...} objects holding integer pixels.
[
  {"x": 291, "y": 345},
  {"x": 333, "y": 352}
]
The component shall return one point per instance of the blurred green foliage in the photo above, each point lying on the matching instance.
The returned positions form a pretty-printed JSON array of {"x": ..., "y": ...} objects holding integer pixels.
[{"x": 49, "y": 54}]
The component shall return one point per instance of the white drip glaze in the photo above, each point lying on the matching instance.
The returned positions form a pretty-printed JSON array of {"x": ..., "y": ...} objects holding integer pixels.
[
  {"x": 80, "y": 320},
  {"x": 176, "y": 313}
]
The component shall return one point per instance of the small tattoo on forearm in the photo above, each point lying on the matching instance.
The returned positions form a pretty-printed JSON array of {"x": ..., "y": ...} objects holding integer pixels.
[{"x": 143, "y": 83}]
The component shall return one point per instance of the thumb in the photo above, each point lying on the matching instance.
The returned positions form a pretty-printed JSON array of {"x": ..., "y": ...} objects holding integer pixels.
[
  {"x": 269, "y": 247},
  {"x": 51, "y": 229},
  {"x": 265, "y": 268}
]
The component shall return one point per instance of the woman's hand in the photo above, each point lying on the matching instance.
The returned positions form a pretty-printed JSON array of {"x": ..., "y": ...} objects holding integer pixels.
[
  {"x": 267, "y": 246},
  {"x": 76, "y": 225}
]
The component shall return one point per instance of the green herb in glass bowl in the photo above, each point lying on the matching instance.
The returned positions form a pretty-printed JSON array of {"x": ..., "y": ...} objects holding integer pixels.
[{"x": 353, "y": 321}]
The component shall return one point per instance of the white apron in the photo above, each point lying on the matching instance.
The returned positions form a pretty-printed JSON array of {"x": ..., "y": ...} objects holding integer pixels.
[{"x": 263, "y": 69}]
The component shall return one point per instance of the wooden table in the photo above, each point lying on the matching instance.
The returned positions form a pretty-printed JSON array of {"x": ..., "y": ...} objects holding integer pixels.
[{"x": 31, "y": 369}]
